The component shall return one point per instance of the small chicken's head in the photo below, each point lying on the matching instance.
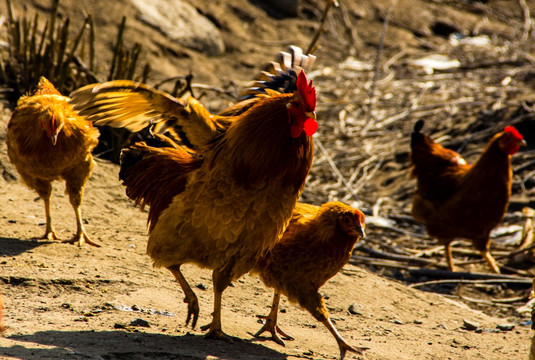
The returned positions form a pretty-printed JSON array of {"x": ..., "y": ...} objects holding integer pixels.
[
  {"x": 302, "y": 108},
  {"x": 352, "y": 223},
  {"x": 511, "y": 140},
  {"x": 52, "y": 123}
]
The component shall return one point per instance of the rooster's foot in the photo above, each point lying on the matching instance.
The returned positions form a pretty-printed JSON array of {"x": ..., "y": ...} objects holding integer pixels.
[{"x": 81, "y": 239}]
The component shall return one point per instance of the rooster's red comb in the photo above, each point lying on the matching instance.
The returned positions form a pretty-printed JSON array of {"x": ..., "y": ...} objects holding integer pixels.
[
  {"x": 513, "y": 131},
  {"x": 306, "y": 90}
]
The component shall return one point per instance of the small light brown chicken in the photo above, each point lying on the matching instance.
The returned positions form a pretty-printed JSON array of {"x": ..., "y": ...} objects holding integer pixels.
[
  {"x": 46, "y": 141},
  {"x": 315, "y": 246},
  {"x": 457, "y": 200}
]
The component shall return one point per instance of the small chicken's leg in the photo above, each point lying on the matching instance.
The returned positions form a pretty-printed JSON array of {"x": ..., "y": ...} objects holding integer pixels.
[
  {"x": 75, "y": 191},
  {"x": 271, "y": 323},
  {"x": 342, "y": 344},
  {"x": 488, "y": 257},
  {"x": 189, "y": 296},
  {"x": 44, "y": 189},
  {"x": 221, "y": 280}
]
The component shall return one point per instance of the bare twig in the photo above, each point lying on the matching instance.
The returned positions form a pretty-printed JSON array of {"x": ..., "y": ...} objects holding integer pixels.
[
  {"x": 335, "y": 168},
  {"x": 465, "y": 281},
  {"x": 527, "y": 20},
  {"x": 321, "y": 27},
  {"x": 376, "y": 67}
]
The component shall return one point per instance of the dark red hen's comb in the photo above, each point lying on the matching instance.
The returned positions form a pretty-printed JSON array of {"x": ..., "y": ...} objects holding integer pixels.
[{"x": 514, "y": 132}]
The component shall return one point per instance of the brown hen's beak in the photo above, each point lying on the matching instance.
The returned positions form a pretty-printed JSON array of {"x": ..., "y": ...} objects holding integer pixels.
[{"x": 54, "y": 138}]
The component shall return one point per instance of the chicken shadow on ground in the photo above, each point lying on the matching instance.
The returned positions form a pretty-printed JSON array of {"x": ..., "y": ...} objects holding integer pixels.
[
  {"x": 115, "y": 345},
  {"x": 15, "y": 246}
]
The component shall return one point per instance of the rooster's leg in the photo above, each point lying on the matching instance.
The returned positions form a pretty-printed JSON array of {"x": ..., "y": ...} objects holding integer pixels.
[
  {"x": 44, "y": 189},
  {"x": 486, "y": 254},
  {"x": 271, "y": 322},
  {"x": 190, "y": 297},
  {"x": 449, "y": 257},
  {"x": 221, "y": 280},
  {"x": 75, "y": 191},
  {"x": 342, "y": 344}
]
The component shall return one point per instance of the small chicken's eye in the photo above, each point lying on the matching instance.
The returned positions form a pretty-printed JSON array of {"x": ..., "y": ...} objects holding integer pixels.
[{"x": 347, "y": 219}]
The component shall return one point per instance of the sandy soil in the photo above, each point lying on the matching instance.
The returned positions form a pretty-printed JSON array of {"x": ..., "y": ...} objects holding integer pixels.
[{"x": 65, "y": 302}]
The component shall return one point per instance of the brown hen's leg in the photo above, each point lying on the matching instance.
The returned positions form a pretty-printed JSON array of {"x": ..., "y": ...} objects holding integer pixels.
[
  {"x": 342, "y": 344},
  {"x": 486, "y": 254},
  {"x": 190, "y": 297},
  {"x": 221, "y": 280},
  {"x": 271, "y": 322},
  {"x": 44, "y": 189},
  {"x": 75, "y": 191},
  {"x": 449, "y": 257}
]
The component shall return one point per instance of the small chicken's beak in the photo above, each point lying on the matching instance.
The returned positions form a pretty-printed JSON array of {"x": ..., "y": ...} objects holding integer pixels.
[
  {"x": 311, "y": 114},
  {"x": 54, "y": 138}
]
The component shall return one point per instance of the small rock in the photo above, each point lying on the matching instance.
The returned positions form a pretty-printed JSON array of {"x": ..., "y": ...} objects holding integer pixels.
[
  {"x": 418, "y": 322},
  {"x": 470, "y": 325},
  {"x": 140, "y": 323},
  {"x": 505, "y": 327},
  {"x": 200, "y": 286},
  {"x": 119, "y": 326},
  {"x": 354, "y": 309}
]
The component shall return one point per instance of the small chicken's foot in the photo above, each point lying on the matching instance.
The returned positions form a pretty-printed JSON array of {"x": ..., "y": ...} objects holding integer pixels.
[
  {"x": 342, "y": 344},
  {"x": 271, "y": 323},
  {"x": 275, "y": 330}
]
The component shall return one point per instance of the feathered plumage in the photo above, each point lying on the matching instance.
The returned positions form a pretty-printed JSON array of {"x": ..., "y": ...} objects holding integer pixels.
[
  {"x": 317, "y": 243},
  {"x": 46, "y": 141},
  {"x": 458, "y": 200},
  {"x": 225, "y": 201}
]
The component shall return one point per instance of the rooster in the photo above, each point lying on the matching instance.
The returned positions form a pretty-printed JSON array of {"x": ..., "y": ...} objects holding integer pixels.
[
  {"x": 46, "y": 141},
  {"x": 223, "y": 202},
  {"x": 457, "y": 200},
  {"x": 316, "y": 244}
]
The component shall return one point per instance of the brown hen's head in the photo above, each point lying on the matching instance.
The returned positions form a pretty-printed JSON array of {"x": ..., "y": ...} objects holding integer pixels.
[
  {"x": 511, "y": 140},
  {"x": 352, "y": 222},
  {"x": 301, "y": 110}
]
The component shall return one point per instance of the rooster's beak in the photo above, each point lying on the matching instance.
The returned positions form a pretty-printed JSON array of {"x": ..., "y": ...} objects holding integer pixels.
[
  {"x": 311, "y": 114},
  {"x": 522, "y": 143},
  {"x": 54, "y": 138}
]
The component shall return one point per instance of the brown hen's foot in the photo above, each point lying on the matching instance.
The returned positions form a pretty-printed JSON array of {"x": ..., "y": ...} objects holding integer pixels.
[
  {"x": 81, "y": 239},
  {"x": 275, "y": 330}
]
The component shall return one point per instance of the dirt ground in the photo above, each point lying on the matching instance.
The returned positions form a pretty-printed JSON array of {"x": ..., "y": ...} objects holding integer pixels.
[{"x": 65, "y": 302}]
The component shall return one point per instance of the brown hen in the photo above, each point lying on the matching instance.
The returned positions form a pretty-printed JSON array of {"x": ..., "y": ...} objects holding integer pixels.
[
  {"x": 47, "y": 140},
  {"x": 457, "y": 200}
]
